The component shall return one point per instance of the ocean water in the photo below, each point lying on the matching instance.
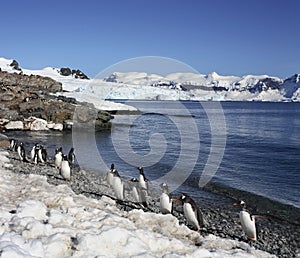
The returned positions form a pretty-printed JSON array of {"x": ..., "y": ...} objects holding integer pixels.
[{"x": 250, "y": 146}]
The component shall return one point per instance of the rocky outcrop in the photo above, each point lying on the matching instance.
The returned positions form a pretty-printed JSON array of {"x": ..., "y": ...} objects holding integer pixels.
[
  {"x": 15, "y": 65},
  {"x": 266, "y": 84},
  {"x": 34, "y": 82},
  {"x": 26, "y": 103},
  {"x": 66, "y": 71}
]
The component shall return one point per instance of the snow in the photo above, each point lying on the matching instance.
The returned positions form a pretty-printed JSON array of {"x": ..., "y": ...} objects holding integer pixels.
[
  {"x": 43, "y": 220},
  {"x": 97, "y": 101}
]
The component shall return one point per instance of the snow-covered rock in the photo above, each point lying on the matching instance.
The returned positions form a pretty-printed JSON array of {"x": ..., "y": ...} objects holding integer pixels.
[
  {"x": 14, "y": 125},
  {"x": 36, "y": 124}
]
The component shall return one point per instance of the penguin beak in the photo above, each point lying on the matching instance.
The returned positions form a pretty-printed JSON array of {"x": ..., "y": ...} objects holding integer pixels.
[
  {"x": 236, "y": 204},
  {"x": 176, "y": 200}
]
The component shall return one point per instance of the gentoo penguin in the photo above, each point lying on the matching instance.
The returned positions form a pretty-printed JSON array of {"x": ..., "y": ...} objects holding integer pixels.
[
  {"x": 143, "y": 181},
  {"x": 58, "y": 158},
  {"x": 139, "y": 194},
  {"x": 191, "y": 212},
  {"x": 165, "y": 200},
  {"x": 65, "y": 169},
  {"x": 12, "y": 144},
  {"x": 247, "y": 221},
  {"x": 71, "y": 156},
  {"x": 110, "y": 175},
  {"x": 118, "y": 185},
  {"x": 43, "y": 153},
  {"x": 21, "y": 152},
  {"x": 38, "y": 154},
  {"x": 33, "y": 154}
]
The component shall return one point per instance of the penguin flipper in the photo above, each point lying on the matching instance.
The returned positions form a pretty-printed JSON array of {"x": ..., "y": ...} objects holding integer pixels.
[{"x": 200, "y": 218}]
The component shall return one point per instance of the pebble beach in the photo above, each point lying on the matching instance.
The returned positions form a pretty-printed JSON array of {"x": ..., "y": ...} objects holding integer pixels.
[{"x": 276, "y": 237}]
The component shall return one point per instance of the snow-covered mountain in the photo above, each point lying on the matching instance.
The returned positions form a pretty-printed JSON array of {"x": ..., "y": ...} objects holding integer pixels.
[
  {"x": 175, "y": 86},
  {"x": 190, "y": 86}
]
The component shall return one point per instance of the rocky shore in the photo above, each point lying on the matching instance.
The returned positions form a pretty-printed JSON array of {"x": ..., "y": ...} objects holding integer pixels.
[
  {"x": 275, "y": 236},
  {"x": 33, "y": 102}
]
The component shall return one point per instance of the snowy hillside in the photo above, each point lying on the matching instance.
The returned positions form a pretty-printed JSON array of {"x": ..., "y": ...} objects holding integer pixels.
[
  {"x": 71, "y": 84},
  {"x": 175, "y": 86}
]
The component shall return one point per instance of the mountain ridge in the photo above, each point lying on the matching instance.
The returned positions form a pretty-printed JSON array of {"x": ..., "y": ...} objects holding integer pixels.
[{"x": 174, "y": 86}]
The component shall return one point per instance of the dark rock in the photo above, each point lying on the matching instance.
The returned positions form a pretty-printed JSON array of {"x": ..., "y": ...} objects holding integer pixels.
[
  {"x": 15, "y": 65},
  {"x": 66, "y": 71},
  {"x": 76, "y": 73},
  {"x": 67, "y": 99},
  {"x": 266, "y": 84},
  {"x": 79, "y": 74}
]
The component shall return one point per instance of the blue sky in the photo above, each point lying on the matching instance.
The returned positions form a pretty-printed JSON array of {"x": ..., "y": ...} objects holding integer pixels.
[{"x": 231, "y": 37}]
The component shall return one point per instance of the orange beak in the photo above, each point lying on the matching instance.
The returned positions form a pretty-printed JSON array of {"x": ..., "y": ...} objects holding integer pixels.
[
  {"x": 235, "y": 204},
  {"x": 177, "y": 201}
]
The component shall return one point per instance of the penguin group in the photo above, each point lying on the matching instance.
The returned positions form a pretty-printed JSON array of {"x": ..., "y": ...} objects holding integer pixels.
[
  {"x": 39, "y": 155},
  {"x": 64, "y": 162},
  {"x": 138, "y": 186}
]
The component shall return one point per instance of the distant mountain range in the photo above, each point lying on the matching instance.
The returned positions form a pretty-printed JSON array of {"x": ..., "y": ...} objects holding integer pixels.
[{"x": 175, "y": 86}]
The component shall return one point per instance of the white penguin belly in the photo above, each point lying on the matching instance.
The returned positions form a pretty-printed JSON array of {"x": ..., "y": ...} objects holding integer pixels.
[
  {"x": 165, "y": 204},
  {"x": 110, "y": 178},
  {"x": 40, "y": 156},
  {"x": 58, "y": 160},
  {"x": 19, "y": 153},
  {"x": 143, "y": 183},
  {"x": 65, "y": 170},
  {"x": 118, "y": 188},
  {"x": 248, "y": 224},
  {"x": 32, "y": 153},
  {"x": 135, "y": 194},
  {"x": 190, "y": 215}
]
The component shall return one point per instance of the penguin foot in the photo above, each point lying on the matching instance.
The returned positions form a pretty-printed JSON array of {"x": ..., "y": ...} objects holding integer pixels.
[{"x": 249, "y": 240}]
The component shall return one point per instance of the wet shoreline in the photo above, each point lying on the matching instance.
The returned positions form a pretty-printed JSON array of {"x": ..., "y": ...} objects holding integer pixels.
[
  {"x": 276, "y": 234},
  {"x": 259, "y": 204}
]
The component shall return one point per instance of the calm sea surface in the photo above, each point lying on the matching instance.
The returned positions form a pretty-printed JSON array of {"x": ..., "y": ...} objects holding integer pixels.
[{"x": 251, "y": 146}]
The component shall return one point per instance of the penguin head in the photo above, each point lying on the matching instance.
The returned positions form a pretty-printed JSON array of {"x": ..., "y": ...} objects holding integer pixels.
[
  {"x": 112, "y": 166},
  {"x": 64, "y": 157},
  {"x": 164, "y": 186},
  {"x": 183, "y": 198},
  {"x": 141, "y": 170},
  {"x": 240, "y": 203},
  {"x": 57, "y": 150},
  {"x": 135, "y": 180}
]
